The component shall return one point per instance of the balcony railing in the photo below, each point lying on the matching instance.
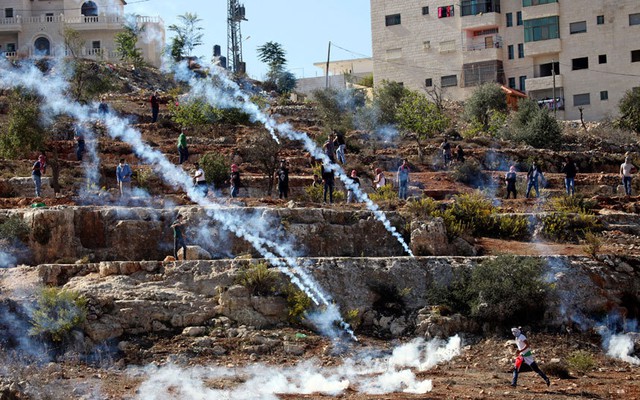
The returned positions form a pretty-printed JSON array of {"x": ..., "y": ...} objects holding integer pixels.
[
  {"x": 488, "y": 42},
  {"x": 475, "y": 7},
  {"x": 102, "y": 19}
]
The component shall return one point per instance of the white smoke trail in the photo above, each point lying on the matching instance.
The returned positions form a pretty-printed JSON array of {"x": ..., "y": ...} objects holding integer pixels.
[
  {"x": 202, "y": 88},
  {"x": 50, "y": 87},
  {"x": 381, "y": 374},
  {"x": 621, "y": 346},
  {"x": 7, "y": 260}
]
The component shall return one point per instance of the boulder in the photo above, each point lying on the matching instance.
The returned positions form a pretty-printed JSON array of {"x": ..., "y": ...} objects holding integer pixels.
[
  {"x": 194, "y": 331},
  {"x": 429, "y": 238},
  {"x": 24, "y": 187},
  {"x": 194, "y": 253}
]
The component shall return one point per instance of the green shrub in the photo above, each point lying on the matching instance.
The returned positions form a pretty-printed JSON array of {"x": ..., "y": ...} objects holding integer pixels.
[
  {"x": 563, "y": 226},
  {"x": 454, "y": 295},
  {"x": 23, "y": 131},
  {"x": 57, "y": 312},
  {"x": 259, "y": 279},
  {"x": 384, "y": 193},
  {"x": 573, "y": 204},
  {"x": 147, "y": 178},
  {"x": 422, "y": 208},
  {"x": 630, "y": 110},
  {"x": 510, "y": 227},
  {"x": 592, "y": 244},
  {"x": 474, "y": 210},
  {"x": 542, "y": 132},
  {"x": 417, "y": 114},
  {"x": 14, "y": 228},
  {"x": 470, "y": 173},
  {"x": 336, "y": 107},
  {"x": 557, "y": 369},
  {"x": 485, "y": 100},
  {"x": 314, "y": 194},
  {"x": 581, "y": 361},
  {"x": 194, "y": 112},
  {"x": 386, "y": 98},
  {"x": 298, "y": 303},
  {"x": 216, "y": 168}
]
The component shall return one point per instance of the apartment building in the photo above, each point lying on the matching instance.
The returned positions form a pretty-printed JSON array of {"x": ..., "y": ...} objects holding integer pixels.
[
  {"x": 35, "y": 28},
  {"x": 585, "y": 52}
]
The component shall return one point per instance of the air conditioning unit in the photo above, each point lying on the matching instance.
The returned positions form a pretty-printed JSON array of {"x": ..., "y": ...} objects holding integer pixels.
[{"x": 426, "y": 45}]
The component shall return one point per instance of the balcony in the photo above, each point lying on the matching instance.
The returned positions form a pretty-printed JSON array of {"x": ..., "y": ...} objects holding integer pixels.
[
  {"x": 542, "y": 47},
  {"x": 10, "y": 24},
  {"x": 544, "y": 83},
  {"x": 486, "y": 48},
  {"x": 540, "y": 11},
  {"x": 478, "y": 14},
  {"x": 103, "y": 22}
]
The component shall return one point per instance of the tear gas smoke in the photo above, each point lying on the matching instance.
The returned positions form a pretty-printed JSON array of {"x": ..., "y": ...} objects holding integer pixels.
[
  {"x": 622, "y": 346},
  {"x": 364, "y": 373},
  {"x": 7, "y": 260},
  {"x": 233, "y": 96},
  {"x": 51, "y": 86}
]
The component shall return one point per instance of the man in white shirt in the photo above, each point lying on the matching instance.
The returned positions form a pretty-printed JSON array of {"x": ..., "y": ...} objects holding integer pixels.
[
  {"x": 199, "y": 180},
  {"x": 626, "y": 170},
  {"x": 524, "y": 351}
]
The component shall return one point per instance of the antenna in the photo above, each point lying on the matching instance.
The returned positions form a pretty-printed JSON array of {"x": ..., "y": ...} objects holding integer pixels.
[{"x": 236, "y": 14}]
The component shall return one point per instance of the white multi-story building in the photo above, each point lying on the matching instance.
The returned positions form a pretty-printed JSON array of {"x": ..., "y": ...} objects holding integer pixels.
[
  {"x": 586, "y": 52},
  {"x": 35, "y": 27}
]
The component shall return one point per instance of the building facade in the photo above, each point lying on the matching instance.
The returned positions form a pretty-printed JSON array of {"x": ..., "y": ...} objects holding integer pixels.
[
  {"x": 585, "y": 52},
  {"x": 35, "y": 28}
]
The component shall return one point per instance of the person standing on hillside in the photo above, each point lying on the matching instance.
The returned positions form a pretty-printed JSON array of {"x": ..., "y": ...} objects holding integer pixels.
[
  {"x": 79, "y": 137},
  {"x": 356, "y": 181},
  {"x": 524, "y": 351},
  {"x": 341, "y": 147},
  {"x": 282, "y": 175},
  {"x": 123, "y": 175},
  {"x": 234, "y": 179},
  {"x": 179, "y": 237},
  {"x": 403, "y": 180},
  {"x": 329, "y": 148},
  {"x": 534, "y": 176},
  {"x": 379, "y": 181},
  {"x": 445, "y": 146},
  {"x": 510, "y": 178},
  {"x": 328, "y": 181},
  {"x": 155, "y": 106},
  {"x": 36, "y": 175},
  {"x": 570, "y": 170},
  {"x": 199, "y": 180},
  {"x": 183, "y": 152},
  {"x": 626, "y": 172}
]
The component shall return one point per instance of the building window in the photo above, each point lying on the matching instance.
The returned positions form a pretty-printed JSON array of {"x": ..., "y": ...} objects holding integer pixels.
[
  {"x": 510, "y": 51},
  {"x": 578, "y": 27},
  {"x": 475, "y": 7},
  {"x": 95, "y": 44},
  {"x": 393, "y": 54},
  {"x": 600, "y": 19},
  {"x": 11, "y": 47},
  {"x": 449, "y": 80},
  {"x": 541, "y": 29},
  {"x": 604, "y": 95},
  {"x": 509, "y": 20},
  {"x": 445, "y": 12},
  {"x": 519, "y": 18},
  {"x": 512, "y": 83},
  {"x": 602, "y": 59},
  {"x": 522, "y": 83},
  {"x": 635, "y": 56},
  {"x": 581, "y": 99},
  {"x": 580, "y": 63},
  {"x": 549, "y": 69},
  {"x": 89, "y": 9},
  {"x": 520, "y": 50},
  {"x": 8, "y": 12},
  {"x": 428, "y": 82},
  {"x": 425, "y": 10},
  {"x": 634, "y": 19},
  {"x": 527, "y": 3},
  {"x": 446, "y": 46},
  {"x": 392, "y": 20},
  {"x": 49, "y": 17}
]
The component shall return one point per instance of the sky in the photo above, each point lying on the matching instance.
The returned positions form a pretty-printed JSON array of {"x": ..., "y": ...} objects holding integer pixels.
[{"x": 304, "y": 28}]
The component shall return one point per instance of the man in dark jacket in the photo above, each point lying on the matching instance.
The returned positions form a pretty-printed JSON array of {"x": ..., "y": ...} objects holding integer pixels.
[
  {"x": 569, "y": 169},
  {"x": 282, "y": 175},
  {"x": 328, "y": 180}
]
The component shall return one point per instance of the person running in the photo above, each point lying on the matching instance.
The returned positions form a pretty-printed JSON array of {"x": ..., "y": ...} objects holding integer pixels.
[
  {"x": 183, "y": 152},
  {"x": 510, "y": 179},
  {"x": 403, "y": 180},
  {"x": 356, "y": 181},
  {"x": 328, "y": 181},
  {"x": 524, "y": 351},
  {"x": 534, "y": 176},
  {"x": 570, "y": 170},
  {"x": 199, "y": 180},
  {"x": 446, "y": 152},
  {"x": 626, "y": 172},
  {"x": 123, "y": 175},
  {"x": 234, "y": 180},
  {"x": 36, "y": 175},
  {"x": 341, "y": 146},
  {"x": 179, "y": 237},
  {"x": 155, "y": 106},
  {"x": 282, "y": 175},
  {"x": 379, "y": 181}
]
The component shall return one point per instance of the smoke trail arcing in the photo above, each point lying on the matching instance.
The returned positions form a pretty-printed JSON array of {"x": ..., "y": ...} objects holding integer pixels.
[
  {"x": 380, "y": 374},
  {"x": 233, "y": 96},
  {"x": 51, "y": 88}
]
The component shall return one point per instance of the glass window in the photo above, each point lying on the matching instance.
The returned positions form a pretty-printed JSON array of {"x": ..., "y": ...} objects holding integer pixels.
[
  {"x": 509, "y": 20},
  {"x": 527, "y": 3},
  {"x": 541, "y": 29},
  {"x": 475, "y": 7},
  {"x": 602, "y": 59},
  {"x": 635, "y": 56},
  {"x": 634, "y": 19},
  {"x": 600, "y": 19},
  {"x": 95, "y": 44},
  {"x": 392, "y": 19},
  {"x": 581, "y": 99},
  {"x": 580, "y": 63},
  {"x": 523, "y": 79},
  {"x": 519, "y": 18},
  {"x": 578, "y": 27},
  {"x": 604, "y": 95},
  {"x": 425, "y": 10},
  {"x": 512, "y": 83},
  {"x": 449, "y": 80},
  {"x": 428, "y": 82},
  {"x": 8, "y": 12},
  {"x": 510, "y": 51},
  {"x": 520, "y": 50},
  {"x": 445, "y": 11}
]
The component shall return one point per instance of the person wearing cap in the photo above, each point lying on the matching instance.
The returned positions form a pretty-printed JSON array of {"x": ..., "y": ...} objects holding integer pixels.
[
  {"x": 155, "y": 106},
  {"x": 403, "y": 180},
  {"x": 282, "y": 175},
  {"x": 183, "y": 152},
  {"x": 524, "y": 352},
  {"x": 234, "y": 179},
  {"x": 199, "y": 180},
  {"x": 356, "y": 182},
  {"x": 510, "y": 179}
]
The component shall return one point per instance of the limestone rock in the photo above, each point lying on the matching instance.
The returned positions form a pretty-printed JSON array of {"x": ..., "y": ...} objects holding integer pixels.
[
  {"x": 429, "y": 238},
  {"x": 194, "y": 331},
  {"x": 194, "y": 253}
]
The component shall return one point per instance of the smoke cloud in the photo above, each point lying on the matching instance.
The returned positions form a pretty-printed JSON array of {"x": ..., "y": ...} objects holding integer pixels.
[
  {"x": 7, "y": 260},
  {"x": 621, "y": 346}
]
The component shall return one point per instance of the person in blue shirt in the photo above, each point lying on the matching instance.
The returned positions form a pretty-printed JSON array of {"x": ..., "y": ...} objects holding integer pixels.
[
  {"x": 403, "y": 180},
  {"x": 123, "y": 175}
]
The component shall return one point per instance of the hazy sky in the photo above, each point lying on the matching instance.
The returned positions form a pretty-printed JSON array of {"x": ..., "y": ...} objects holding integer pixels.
[{"x": 303, "y": 27}]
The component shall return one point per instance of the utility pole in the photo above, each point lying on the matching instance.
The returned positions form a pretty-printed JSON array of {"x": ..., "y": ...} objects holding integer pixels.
[
  {"x": 553, "y": 93},
  {"x": 236, "y": 14},
  {"x": 326, "y": 81}
]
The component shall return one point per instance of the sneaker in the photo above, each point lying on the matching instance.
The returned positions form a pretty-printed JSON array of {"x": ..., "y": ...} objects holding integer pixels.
[{"x": 513, "y": 385}]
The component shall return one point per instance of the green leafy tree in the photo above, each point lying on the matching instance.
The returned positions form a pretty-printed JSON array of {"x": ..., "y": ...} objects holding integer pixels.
[
  {"x": 487, "y": 98},
  {"x": 542, "y": 132},
  {"x": 286, "y": 82},
  {"x": 89, "y": 80},
  {"x": 630, "y": 110},
  {"x": 386, "y": 98},
  {"x": 188, "y": 36},
  {"x": 278, "y": 78},
  {"x": 264, "y": 152},
  {"x": 216, "y": 168},
  {"x": 336, "y": 107},
  {"x": 193, "y": 113},
  {"x": 420, "y": 118},
  {"x": 24, "y": 132},
  {"x": 127, "y": 40},
  {"x": 73, "y": 41}
]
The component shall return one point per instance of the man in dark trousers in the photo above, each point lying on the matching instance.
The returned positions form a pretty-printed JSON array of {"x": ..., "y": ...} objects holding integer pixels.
[
  {"x": 328, "y": 180},
  {"x": 570, "y": 170},
  {"x": 179, "y": 237},
  {"x": 155, "y": 106},
  {"x": 282, "y": 175}
]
